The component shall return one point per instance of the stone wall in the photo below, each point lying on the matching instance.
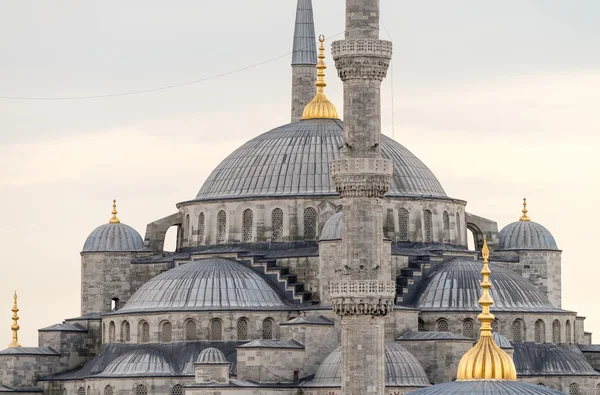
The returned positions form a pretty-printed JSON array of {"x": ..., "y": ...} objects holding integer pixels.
[
  {"x": 74, "y": 347},
  {"x": 270, "y": 365},
  {"x": 26, "y": 370},
  {"x": 318, "y": 340},
  {"x": 306, "y": 270},
  {"x": 304, "y": 89},
  {"x": 120, "y": 386},
  {"x": 593, "y": 358},
  {"x": 587, "y": 385}
]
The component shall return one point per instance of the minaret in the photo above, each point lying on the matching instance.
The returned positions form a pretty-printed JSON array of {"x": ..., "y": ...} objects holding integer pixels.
[
  {"x": 363, "y": 294},
  {"x": 15, "y": 326},
  {"x": 304, "y": 59}
]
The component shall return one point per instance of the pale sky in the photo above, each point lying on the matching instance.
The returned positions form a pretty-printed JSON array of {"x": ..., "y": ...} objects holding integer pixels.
[{"x": 499, "y": 99}]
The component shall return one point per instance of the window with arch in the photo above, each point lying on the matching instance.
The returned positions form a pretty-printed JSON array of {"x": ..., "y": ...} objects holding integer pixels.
[
  {"x": 104, "y": 331},
  {"x": 216, "y": 329},
  {"x": 539, "y": 332},
  {"x": 598, "y": 389},
  {"x": 277, "y": 224},
  {"x": 441, "y": 325},
  {"x": 495, "y": 325},
  {"x": 469, "y": 328},
  {"x": 166, "y": 332},
  {"x": 556, "y": 332},
  {"x": 403, "y": 218},
  {"x": 114, "y": 304},
  {"x": 221, "y": 226},
  {"x": 188, "y": 228},
  {"x": 141, "y": 390},
  {"x": 177, "y": 390},
  {"x": 518, "y": 331},
  {"x": 108, "y": 390},
  {"x": 541, "y": 384},
  {"x": 144, "y": 332},
  {"x": 568, "y": 332},
  {"x": 125, "y": 331},
  {"x": 111, "y": 332},
  {"x": 573, "y": 389},
  {"x": 310, "y": 223},
  {"x": 191, "y": 330},
  {"x": 268, "y": 329},
  {"x": 458, "y": 233},
  {"x": 201, "y": 228},
  {"x": 81, "y": 391},
  {"x": 446, "y": 224},
  {"x": 421, "y": 325},
  {"x": 427, "y": 226},
  {"x": 248, "y": 225},
  {"x": 242, "y": 329}
]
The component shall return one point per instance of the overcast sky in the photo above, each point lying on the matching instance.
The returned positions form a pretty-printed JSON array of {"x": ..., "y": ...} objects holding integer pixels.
[{"x": 499, "y": 99}]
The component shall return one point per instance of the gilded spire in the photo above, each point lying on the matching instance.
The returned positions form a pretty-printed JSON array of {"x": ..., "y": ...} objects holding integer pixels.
[
  {"x": 524, "y": 217},
  {"x": 320, "y": 107},
  {"x": 15, "y": 326},
  {"x": 114, "y": 219},
  {"x": 486, "y": 361}
]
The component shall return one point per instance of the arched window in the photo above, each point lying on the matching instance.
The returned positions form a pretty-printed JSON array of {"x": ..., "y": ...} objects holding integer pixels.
[
  {"x": 441, "y": 325},
  {"x": 221, "y": 226},
  {"x": 267, "y": 329},
  {"x": 469, "y": 328},
  {"x": 166, "y": 332},
  {"x": 108, "y": 390},
  {"x": 277, "y": 224},
  {"x": 310, "y": 223},
  {"x": 598, "y": 389},
  {"x": 427, "y": 226},
  {"x": 518, "y": 331},
  {"x": 446, "y": 220},
  {"x": 141, "y": 390},
  {"x": 541, "y": 384},
  {"x": 81, "y": 391},
  {"x": 144, "y": 332},
  {"x": 573, "y": 389},
  {"x": 89, "y": 391},
  {"x": 114, "y": 304},
  {"x": 216, "y": 329},
  {"x": 495, "y": 325},
  {"x": 191, "y": 330},
  {"x": 540, "y": 332},
  {"x": 125, "y": 331},
  {"x": 242, "y": 329},
  {"x": 403, "y": 224},
  {"x": 104, "y": 332},
  {"x": 556, "y": 332},
  {"x": 177, "y": 390},
  {"x": 421, "y": 325},
  {"x": 201, "y": 229},
  {"x": 111, "y": 332},
  {"x": 188, "y": 228},
  {"x": 568, "y": 332},
  {"x": 248, "y": 225},
  {"x": 458, "y": 232}
]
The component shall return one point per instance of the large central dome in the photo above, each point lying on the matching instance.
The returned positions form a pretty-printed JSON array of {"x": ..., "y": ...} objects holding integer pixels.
[{"x": 293, "y": 160}]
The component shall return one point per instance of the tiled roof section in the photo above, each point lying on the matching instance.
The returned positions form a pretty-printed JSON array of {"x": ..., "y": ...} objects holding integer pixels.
[
  {"x": 455, "y": 286},
  {"x": 320, "y": 320},
  {"x": 548, "y": 359},
  {"x": 291, "y": 344},
  {"x": 483, "y": 387},
  {"x": 114, "y": 238},
  {"x": 305, "y": 44},
  {"x": 64, "y": 327},
  {"x": 332, "y": 230},
  {"x": 211, "y": 356},
  {"x": 423, "y": 336},
  {"x": 29, "y": 351},
  {"x": 293, "y": 160},
  {"x": 502, "y": 341},
  {"x": 589, "y": 347},
  {"x": 85, "y": 317},
  {"x": 140, "y": 363},
  {"x": 7, "y": 389},
  {"x": 526, "y": 235}
]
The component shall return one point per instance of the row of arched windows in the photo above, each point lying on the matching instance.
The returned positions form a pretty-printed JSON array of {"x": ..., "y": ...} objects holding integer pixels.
[
  {"x": 140, "y": 389},
  {"x": 404, "y": 220}
]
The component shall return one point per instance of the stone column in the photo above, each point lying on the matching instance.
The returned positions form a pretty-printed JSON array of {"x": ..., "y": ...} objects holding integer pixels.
[{"x": 362, "y": 294}]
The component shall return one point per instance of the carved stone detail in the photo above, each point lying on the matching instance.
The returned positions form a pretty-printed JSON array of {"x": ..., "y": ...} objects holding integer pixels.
[
  {"x": 362, "y": 297},
  {"x": 362, "y": 177},
  {"x": 362, "y": 59}
]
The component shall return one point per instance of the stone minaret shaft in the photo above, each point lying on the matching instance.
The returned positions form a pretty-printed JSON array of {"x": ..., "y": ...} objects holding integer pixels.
[
  {"x": 363, "y": 293},
  {"x": 304, "y": 59}
]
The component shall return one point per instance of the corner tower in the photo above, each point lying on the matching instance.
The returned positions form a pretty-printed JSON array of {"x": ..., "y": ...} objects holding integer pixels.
[
  {"x": 362, "y": 294},
  {"x": 304, "y": 59}
]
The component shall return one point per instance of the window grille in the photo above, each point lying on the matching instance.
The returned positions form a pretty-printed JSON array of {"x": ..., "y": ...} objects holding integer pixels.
[
  {"x": 221, "y": 226},
  {"x": 141, "y": 390},
  {"x": 458, "y": 233},
  {"x": 310, "y": 223},
  {"x": 89, "y": 391},
  {"x": 517, "y": 331},
  {"x": 573, "y": 389},
  {"x": 145, "y": 338},
  {"x": 108, "y": 390},
  {"x": 403, "y": 224},
  {"x": 111, "y": 332},
  {"x": 277, "y": 224},
  {"x": 177, "y": 390},
  {"x": 495, "y": 325},
  {"x": 190, "y": 330},
  {"x": 201, "y": 228},
  {"x": 446, "y": 219},
  {"x": 568, "y": 332},
  {"x": 125, "y": 331},
  {"x": 248, "y": 222},
  {"x": 81, "y": 391},
  {"x": 242, "y": 329},
  {"x": 556, "y": 332},
  {"x": 539, "y": 332},
  {"x": 267, "y": 329},
  {"x": 166, "y": 333},
  {"x": 428, "y": 225},
  {"x": 421, "y": 325},
  {"x": 469, "y": 328},
  {"x": 442, "y": 325},
  {"x": 216, "y": 329}
]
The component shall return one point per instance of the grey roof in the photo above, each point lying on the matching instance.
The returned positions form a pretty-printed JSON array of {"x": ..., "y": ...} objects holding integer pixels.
[
  {"x": 422, "y": 336},
  {"x": 64, "y": 327},
  {"x": 305, "y": 47},
  {"x": 332, "y": 230},
  {"x": 549, "y": 359},
  {"x": 6, "y": 388},
  {"x": 455, "y": 286},
  {"x": 526, "y": 235},
  {"x": 211, "y": 356},
  {"x": 589, "y": 347},
  {"x": 20, "y": 351},
  {"x": 502, "y": 341},
  {"x": 290, "y": 344},
  {"x": 486, "y": 388},
  {"x": 206, "y": 284},
  {"x": 401, "y": 369},
  {"x": 113, "y": 238},
  {"x": 139, "y": 363},
  {"x": 293, "y": 160},
  {"x": 320, "y": 320}
]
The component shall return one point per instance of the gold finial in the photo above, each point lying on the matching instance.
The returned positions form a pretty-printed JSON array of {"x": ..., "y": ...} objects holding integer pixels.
[
  {"x": 524, "y": 217},
  {"x": 114, "y": 219},
  {"x": 15, "y": 326},
  {"x": 320, "y": 107},
  {"x": 486, "y": 361}
]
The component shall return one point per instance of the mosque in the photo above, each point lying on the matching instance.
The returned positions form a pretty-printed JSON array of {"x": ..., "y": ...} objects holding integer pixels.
[{"x": 319, "y": 258}]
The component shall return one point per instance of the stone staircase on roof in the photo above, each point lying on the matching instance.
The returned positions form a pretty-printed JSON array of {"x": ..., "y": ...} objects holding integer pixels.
[{"x": 419, "y": 268}]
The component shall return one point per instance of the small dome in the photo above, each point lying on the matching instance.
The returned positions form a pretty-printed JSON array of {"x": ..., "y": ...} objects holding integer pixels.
[
  {"x": 211, "y": 356},
  {"x": 502, "y": 341},
  {"x": 207, "y": 284},
  {"x": 485, "y": 387},
  {"x": 332, "y": 230},
  {"x": 549, "y": 359},
  {"x": 526, "y": 235},
  {"x": 114, "y": 237},
  {"x": 456, "y": 286},
  {"x": 138, "y": 363},
  {"x": 401, "y": 369}
]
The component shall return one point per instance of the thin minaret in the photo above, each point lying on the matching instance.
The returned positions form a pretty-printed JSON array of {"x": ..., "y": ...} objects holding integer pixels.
[
  {"x": 304, "y": 59},
  {"x": 363, "y": 293},
  {"x": 15, "y": 326}
]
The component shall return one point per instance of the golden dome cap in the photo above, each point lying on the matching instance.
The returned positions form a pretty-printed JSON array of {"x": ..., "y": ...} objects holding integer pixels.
[
  {"x": 15, "y": 326},
  {"x": 524, "y": 217},
  {"x": 320, "y": 107},
  {"x": 114, "y": 219},
  {"x": 486, "y": 361}
]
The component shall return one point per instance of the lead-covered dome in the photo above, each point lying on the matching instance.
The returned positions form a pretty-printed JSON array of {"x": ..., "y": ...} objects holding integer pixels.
[
  {"x": 455, "y": 286},
  {"x": 332, "y": 230},
  {"x": 139, "y": 363},
  {"x": 526, "y": 235},
  {"x": 114, "y": 237},
  {"x": 208, "y": 284},
  {"x": 486, "y": 387},
  {"x": 293, "y": 160},
  {"x": 211, "y": 356}
]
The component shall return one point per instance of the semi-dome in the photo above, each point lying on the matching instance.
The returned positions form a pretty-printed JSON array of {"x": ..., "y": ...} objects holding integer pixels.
[
  {"x": 207, "y": 284},
  {"x": 533, "y": 359},
  {"x": 332, "y": 230},
  {"x": 293, "y": 160},
  {"x": 139, "y": 363},
  {"x": 401, "y": 369},
  {"x": 526, "y": 235},
  {"x": 455, "y": 286},
  {"x": 211, "y": 356},
  {"x": 486, "y": 387}
]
